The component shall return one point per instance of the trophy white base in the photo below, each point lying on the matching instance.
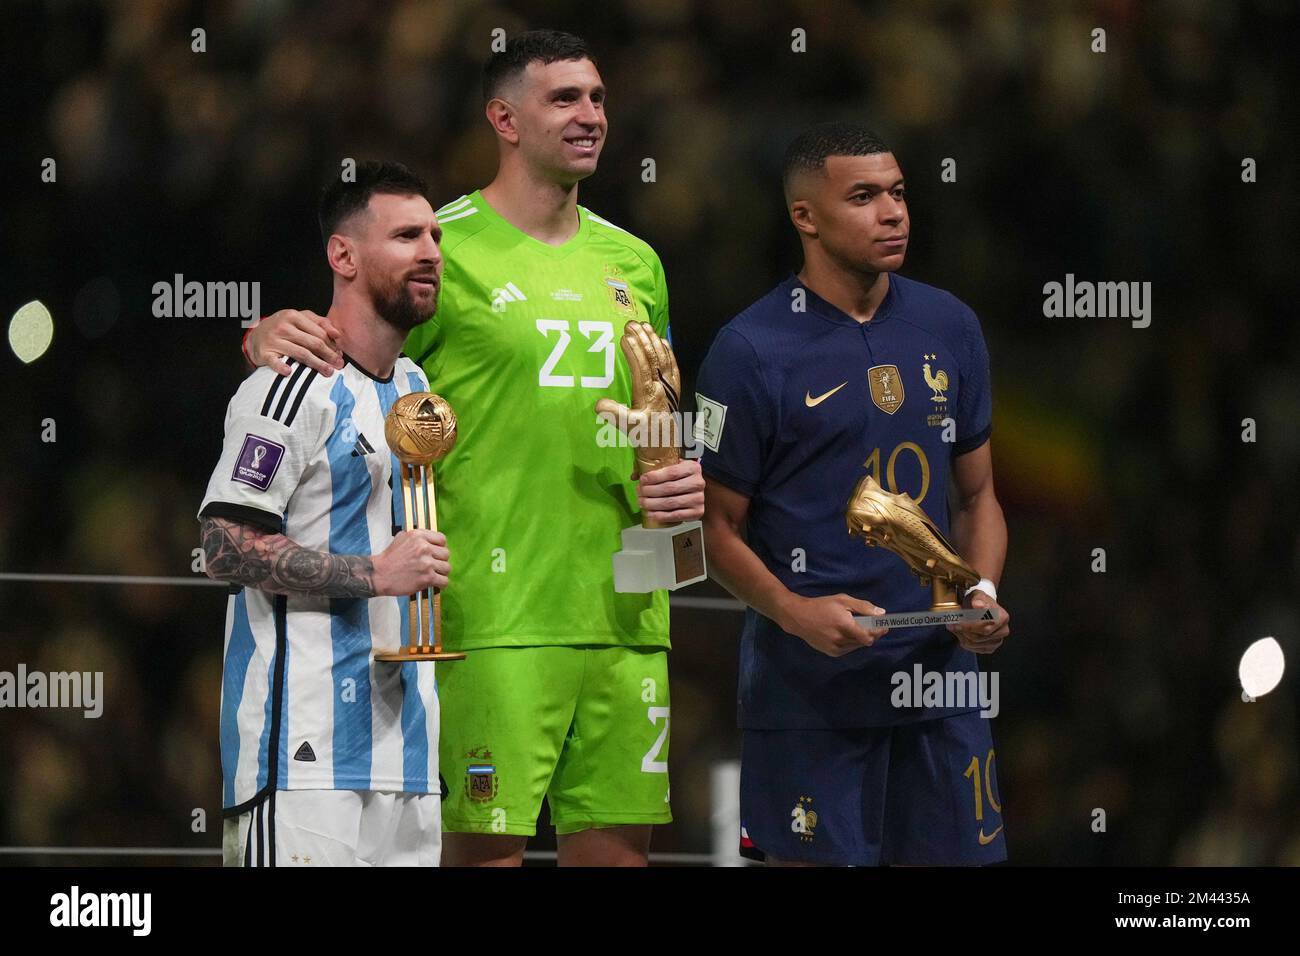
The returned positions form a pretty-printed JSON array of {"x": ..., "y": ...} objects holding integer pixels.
[
  {"x": 653, "y": 559},
  {"x": 924, "y": 618}
]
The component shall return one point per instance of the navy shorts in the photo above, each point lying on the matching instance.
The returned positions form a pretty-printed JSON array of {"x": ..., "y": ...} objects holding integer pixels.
[{"x": 920, "y": 794}]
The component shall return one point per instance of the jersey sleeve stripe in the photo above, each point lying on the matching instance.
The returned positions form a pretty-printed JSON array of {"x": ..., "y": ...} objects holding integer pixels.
[
  {"x": 604, "y": 222},
  {"x": 454, "y": 205},
  {"x": 284, "y": 396},
  {"x": 458, "y": 215},
  {"x": 306, "y": 385},
  {"x": 275, "y": 387}
]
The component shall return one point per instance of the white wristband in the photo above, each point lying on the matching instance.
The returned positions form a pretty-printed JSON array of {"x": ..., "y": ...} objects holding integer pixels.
[{"x": 986, "y": 586}]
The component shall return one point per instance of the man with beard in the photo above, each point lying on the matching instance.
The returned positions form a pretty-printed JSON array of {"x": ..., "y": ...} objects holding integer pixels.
[
  {"x": 564, "y": 693},
  {"x": 328, "y": 756}
]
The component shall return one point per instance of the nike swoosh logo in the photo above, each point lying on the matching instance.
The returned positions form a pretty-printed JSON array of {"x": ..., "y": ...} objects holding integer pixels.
[
  {"x": 986, "y": 840},
  {"x": 814, "y": 402}
]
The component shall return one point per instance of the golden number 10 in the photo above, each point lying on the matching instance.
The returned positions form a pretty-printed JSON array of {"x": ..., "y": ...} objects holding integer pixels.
[
  {"x": 973, "y": 773},
  {"x": 872, "y": 464}
]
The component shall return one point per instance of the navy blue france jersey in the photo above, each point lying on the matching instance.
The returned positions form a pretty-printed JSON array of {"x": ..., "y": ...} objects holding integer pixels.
[{"x": 795, "y": 402}]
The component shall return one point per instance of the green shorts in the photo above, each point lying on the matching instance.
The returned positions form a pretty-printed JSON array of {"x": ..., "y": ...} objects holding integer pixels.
[{"x": 585, "y": 726}]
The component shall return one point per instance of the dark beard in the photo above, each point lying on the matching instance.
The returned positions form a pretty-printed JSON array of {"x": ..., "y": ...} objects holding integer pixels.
[{"x": 396, "y": 306}]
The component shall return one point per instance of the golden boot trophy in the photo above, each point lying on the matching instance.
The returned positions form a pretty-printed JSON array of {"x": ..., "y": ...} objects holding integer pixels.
[
  {"x": 420, "y": 429},
  {"x": 654, "y": 555},
  {"x": 896, "y": 522}
]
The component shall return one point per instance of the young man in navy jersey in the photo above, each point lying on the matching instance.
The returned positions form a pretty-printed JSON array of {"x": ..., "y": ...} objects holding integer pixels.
[{"x": 841, "y": 369}]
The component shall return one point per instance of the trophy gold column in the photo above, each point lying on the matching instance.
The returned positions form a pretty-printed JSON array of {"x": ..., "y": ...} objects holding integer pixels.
[{"x": 420, "y": 429}]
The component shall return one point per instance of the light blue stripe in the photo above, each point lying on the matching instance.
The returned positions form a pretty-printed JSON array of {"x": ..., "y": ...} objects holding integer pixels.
[
  {"x": 263, "y": 767},
  {"x": 415, "y": 383},
  {"x": 387, "y": 393},
  {"x": 234, "y": 672},
  {"x": 349, "y": 617},
  {"x": 415, "y": 732}
]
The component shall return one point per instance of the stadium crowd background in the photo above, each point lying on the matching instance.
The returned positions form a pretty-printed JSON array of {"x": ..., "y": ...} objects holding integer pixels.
[{"x": 1118, "y": 689}]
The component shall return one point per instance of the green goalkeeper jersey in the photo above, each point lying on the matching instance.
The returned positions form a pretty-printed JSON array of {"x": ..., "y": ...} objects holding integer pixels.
[{"x": 534, "y": 494}]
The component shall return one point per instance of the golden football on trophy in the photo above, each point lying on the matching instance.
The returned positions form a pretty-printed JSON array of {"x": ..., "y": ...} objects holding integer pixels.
[
  {"x": 896, "y": 522},
  {"x": 420, "y": 428}
]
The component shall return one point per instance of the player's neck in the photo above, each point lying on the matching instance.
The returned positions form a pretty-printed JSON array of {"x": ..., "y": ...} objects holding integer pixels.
[
  {"x": 364, "y": 337},
  {"x": 539, "y": 207},
  {"x": 857, "y": 295}
]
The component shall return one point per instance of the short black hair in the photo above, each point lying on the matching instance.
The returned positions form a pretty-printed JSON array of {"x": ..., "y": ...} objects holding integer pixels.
[
  {"x": 543, "y": 46},
  {"x": 340, "y": 200},
  {"x": 810, "y": 148}
]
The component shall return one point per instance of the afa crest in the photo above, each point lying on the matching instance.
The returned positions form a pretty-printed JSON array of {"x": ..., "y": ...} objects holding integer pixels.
[
  {"x": 481, "y": 783},
  {"x": 620, "y": 293}
]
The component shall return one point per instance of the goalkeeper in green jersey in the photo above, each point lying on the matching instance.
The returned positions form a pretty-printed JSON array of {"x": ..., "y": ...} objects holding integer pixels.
[{"x": 564, "y": 692}]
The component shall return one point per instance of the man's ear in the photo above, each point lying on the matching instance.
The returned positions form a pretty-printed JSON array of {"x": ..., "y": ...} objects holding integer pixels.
[
  {"x": 801, "y": 214},
  {"x": 501, "y": 116},
  {"x": 341, "y": 251}
]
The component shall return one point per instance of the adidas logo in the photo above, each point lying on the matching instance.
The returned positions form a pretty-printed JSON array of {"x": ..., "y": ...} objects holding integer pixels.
[
  {"x": 510, "y": 293},
  {"x": 305, "y": 753},
  {"x": 362, "y": 447}
]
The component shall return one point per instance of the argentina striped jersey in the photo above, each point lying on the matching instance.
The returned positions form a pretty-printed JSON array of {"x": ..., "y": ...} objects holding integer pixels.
[{"x": 304, "y": 705}]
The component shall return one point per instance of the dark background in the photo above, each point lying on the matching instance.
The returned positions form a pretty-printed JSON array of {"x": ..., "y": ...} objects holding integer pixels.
[{"x": 1119, "y": 689}]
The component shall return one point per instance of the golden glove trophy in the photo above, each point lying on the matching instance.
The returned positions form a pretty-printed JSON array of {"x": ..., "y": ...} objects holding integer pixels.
[
  {"x": 420, "y": 429},
  {"x": 654, "y": 555},
  {"x": 896, "y": 522}
]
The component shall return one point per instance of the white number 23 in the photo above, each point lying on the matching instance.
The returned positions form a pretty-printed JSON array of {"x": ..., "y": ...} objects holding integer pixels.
[{"x": 604, "y": 342}]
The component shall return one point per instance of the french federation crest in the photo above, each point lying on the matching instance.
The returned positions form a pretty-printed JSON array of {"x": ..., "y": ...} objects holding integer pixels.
[
  {"x": 803, "y": 819},
  {"x": 938, "y": 381},
  {"x": 886, "y": 387},
  {"x": 620, "y": 293}
]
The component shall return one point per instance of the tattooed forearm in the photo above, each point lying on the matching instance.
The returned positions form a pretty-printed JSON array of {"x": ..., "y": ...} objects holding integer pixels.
[
  {"x": 319, "y": 572},
  {"x": 242, "y": 554}
]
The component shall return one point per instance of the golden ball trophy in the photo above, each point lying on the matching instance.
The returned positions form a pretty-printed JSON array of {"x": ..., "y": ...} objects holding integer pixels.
[
  {"x": 896, "y": 522},
  {"x": 655, "y": 555},
  {"x": 420, "y": 429}
]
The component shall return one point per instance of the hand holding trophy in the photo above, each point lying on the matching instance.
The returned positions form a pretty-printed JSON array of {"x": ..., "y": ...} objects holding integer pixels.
[
  {"x": 896, "y": 522},
  {"x": 655, "y": 555},
  {"x": 420, "y": 429}
]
